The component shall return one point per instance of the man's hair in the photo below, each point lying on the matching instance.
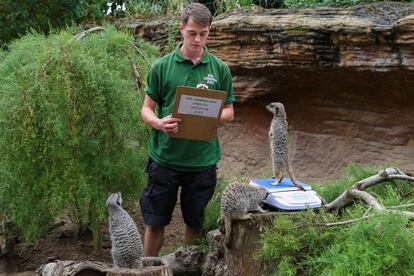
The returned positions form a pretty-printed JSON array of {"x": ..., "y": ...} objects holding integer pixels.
[{"x": 198, "y": 12}]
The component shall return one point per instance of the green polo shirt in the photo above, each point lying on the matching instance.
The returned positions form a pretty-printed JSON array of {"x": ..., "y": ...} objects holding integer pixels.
[{"x": 165, "y": 75}]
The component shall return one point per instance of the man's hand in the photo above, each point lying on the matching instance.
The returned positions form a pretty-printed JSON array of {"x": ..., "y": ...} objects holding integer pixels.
[{"x": 168, "y": 124}]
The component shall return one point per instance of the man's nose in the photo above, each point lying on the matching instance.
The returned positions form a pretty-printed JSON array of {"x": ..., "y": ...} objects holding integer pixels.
[{"x": 197, "y": 38}]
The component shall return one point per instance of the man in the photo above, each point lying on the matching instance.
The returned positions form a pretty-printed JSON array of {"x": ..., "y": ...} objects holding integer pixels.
[{"x": 175, "y": 162}]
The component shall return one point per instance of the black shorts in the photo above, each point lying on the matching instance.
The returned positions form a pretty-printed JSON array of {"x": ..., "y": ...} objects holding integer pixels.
[{"x": 159, "y": 197}]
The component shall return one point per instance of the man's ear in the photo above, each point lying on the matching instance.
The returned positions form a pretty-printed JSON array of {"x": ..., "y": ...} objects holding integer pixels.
[{"x": 181, "y": 27}]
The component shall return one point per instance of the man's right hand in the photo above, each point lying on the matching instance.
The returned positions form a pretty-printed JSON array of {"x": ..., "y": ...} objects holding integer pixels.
[{"x": 168, "y": 124}]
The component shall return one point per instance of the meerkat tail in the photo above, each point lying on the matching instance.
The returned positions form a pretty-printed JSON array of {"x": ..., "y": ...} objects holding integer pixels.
[
  {"x": 293, "y": 178},
  {"x": 279, "y": 178},
  {"x": 227, "y": 234}
]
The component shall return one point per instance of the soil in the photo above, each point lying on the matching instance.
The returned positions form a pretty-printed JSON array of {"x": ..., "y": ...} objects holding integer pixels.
[{"x": 63, "y": 243}]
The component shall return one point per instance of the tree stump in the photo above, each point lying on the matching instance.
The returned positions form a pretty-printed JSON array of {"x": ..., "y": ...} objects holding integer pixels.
[{"x": 240, "y": 258}]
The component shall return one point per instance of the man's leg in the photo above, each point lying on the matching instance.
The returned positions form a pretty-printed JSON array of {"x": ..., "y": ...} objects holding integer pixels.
[
  {"x": 153, "y": 239},
  {"x": 191, "y": 234},
  {"x": 195, "y": 194},
  {"x": 157, "y": 203}
]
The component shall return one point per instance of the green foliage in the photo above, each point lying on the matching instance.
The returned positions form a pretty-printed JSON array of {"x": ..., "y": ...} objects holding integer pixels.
[
  {"x": 299, "y": 242},
  {"x": 19, "y": 16},
  {"x": 328, "y": 3},
  {"x": 155, "y": 7},
  {"x": 173, "y": 33},
  {"x": 269, "y": 4},
  {"x": 351, "y": 174},
  {"x": 226, "y": 5},
  {"x": 293, "y": 237},
  {"x": 70, "y": 130},
  {"x": 383, "y": 245},
  {"x": 152, "y": 7},
  {"x": 282, "y": 243}
]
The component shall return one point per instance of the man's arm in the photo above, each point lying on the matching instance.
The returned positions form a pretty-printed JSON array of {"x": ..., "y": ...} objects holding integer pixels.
[
  {"x": 167, "y": 124},
  {"x": 227, "y": 115}
]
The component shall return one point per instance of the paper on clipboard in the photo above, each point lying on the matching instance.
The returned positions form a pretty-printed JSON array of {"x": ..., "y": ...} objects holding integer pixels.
[{"x": 199, "y": 111}]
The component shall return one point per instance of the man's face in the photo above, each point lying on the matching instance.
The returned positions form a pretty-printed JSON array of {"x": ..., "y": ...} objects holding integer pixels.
[{"x": 194, "y": 36}]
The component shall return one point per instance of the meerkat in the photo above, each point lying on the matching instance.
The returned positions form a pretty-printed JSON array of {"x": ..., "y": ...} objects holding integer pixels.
[
  {"x": 278, "y": 139},
  {"x": 238, "y": 199},
  {"x": 127, "y": 249}
]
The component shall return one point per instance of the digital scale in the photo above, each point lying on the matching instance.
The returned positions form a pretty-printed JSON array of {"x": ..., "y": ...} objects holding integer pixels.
[{"x": 286, "y": 196}]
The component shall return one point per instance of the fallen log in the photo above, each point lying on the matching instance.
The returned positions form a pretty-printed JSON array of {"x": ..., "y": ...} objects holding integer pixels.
[{"x": 184, "y": 261}]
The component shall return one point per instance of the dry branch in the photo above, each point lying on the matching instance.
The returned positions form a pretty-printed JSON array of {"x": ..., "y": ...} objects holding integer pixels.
[
  {"x": 344, "y": 222},
  {"x": 357, "y": 192},
  {"x": 140, "y": 52},
  {"x": 82, "y": 34},
  {"x": 138, "y": 82}
]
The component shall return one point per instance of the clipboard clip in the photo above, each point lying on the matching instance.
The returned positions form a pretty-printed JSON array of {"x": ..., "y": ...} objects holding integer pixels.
[{"x": 202, "y": 85}]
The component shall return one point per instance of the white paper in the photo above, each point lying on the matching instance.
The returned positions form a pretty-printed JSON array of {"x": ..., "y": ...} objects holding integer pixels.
[{"x": 199, "y": 106}]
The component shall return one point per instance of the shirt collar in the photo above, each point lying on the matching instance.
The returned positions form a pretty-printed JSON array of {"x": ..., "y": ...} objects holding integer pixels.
[{"x": 180, "y": 58}]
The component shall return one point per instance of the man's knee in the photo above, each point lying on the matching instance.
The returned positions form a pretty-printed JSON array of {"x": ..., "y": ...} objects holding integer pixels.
[{"x": 154, "y": 229}]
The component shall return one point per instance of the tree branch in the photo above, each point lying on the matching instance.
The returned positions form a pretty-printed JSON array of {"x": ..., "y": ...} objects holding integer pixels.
[
  {"x": 140, "y": 52},
  {"x": 339, "y": 223},
  {"x": 401, "y": 206},
  {"x": 356, "y": 192},
  {"x": 82, "y": 34},
  {"x": 367, "y": 198},
  {"x": 138, "y": 81}
]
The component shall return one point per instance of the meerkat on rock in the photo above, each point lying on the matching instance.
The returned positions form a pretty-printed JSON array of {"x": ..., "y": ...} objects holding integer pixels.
[
  {"x": 238, "y": 199},
  {"x": 278, "y": 139}
]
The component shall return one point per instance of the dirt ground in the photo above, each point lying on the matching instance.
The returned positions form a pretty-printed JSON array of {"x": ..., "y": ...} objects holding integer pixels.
[{"x": 62, "y": 243}]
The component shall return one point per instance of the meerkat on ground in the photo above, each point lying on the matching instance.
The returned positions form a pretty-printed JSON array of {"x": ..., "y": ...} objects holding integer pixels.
[
  {"x": 238, "y": 199},
  {"x": 278, "y": 139},
  {"x": 127, "y": 249}
]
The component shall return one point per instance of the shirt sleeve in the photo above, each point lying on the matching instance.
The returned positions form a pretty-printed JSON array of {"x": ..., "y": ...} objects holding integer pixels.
[
  {"x": 152, "y": 88},
  {"x": 227, "y": 85}
]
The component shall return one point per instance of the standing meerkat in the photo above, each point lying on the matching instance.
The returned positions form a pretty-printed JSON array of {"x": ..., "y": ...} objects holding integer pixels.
[
  {"x": 238, "y": 199},
  {"x": 278, "y": 139},
  {"x": 127, "y": 249}
]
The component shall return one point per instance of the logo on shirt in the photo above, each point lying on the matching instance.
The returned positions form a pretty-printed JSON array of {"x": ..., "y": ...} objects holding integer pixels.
[
  {"x": 202, "y": 85},
  {"x": 210, "y": 79}
]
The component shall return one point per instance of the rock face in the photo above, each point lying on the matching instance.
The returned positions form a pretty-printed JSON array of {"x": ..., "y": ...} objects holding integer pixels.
[{"x": 345, "y": 76}]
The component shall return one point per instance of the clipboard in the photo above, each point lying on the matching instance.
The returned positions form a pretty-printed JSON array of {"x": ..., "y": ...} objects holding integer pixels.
[{"x": 199, "y": 110}]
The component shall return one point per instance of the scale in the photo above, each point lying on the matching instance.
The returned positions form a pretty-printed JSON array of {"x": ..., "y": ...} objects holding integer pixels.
[{"x": 286, "y": 196}]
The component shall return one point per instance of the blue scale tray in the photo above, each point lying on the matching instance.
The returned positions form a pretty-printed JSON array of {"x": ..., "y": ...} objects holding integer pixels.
[{"x": 286, "y": 196}]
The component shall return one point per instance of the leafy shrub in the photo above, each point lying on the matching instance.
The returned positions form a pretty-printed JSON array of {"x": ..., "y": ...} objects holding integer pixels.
[
  {"x": 19, "y": 16},
  {"x": 352, "y": 173},
  {"x": 70, "y": 130},
  {"x": 298, "y": 242},
  {"x": 328, "y": 3},
  {"x": 292, "y": 238},
  {"x": 155, "y": 7},
  {"x": 381, "y": 245}
]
